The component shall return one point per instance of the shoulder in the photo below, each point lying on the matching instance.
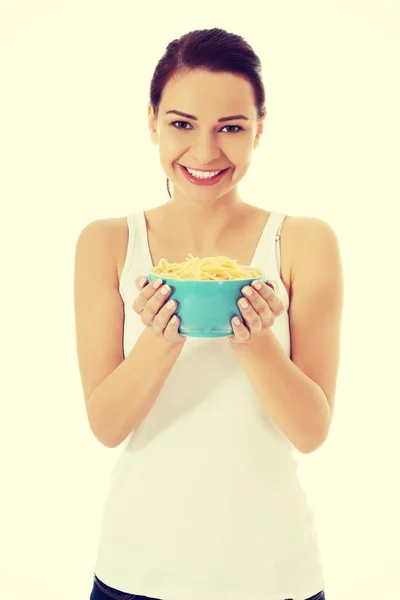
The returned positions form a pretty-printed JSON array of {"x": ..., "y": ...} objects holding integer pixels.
[
  {"x": 107, "y": 238},
  {"x": 309, "y": 235},
  {"x": 303, "y": 234},
  {"x": 106, "y": 231},
  {"x": 299, "y": 225}
]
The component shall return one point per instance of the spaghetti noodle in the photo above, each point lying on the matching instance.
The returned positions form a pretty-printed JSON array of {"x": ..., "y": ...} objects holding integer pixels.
[{"x": 215, "y": 268}]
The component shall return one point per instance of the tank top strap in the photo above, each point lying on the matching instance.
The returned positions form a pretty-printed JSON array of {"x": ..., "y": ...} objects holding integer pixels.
[
  {"x": 276, "y": 238},
  {"x": 269, "y": 253},
  {"x": 270, "y": 238},
  {"x": 131, "y": 220}
]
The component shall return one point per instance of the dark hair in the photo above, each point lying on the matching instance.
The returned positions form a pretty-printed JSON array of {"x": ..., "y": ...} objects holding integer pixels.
[{"x": 214, "y": 50}]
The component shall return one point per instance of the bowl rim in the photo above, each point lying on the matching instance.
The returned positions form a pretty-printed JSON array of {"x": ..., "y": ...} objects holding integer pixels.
[
  {"x": 160, "y": 276},
  {"x": 163, "y": 277}
]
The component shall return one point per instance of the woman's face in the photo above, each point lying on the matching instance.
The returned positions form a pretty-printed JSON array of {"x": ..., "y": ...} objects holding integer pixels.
[{"x": 201, "y": 141}]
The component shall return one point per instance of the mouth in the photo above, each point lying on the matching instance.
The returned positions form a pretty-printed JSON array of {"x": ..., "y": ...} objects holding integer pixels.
[
  {"x": 205, "y": 178},
  {"x": 203, "y": 170}
]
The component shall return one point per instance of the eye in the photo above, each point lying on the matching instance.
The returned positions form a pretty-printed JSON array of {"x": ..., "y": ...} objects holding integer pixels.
[
  {"x": 238, "y": 128},
  {"x": 174, "y": 122}
]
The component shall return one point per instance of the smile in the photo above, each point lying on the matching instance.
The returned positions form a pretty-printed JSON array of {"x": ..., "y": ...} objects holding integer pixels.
[{"x": 203, "y": 177}]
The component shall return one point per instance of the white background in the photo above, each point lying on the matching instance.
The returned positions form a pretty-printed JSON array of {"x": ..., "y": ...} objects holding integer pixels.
[{"x": 74, "y": 147}]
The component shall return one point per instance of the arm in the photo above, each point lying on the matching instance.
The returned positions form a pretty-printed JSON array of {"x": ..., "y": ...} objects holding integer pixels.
[
  {"x": 124, "y": 398},
  {"x": 298, "y": 393},
  {"x": 118, "y": 393}
]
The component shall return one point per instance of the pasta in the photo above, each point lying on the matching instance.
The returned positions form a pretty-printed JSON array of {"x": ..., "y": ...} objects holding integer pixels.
[{"x": 211, "y": 268}]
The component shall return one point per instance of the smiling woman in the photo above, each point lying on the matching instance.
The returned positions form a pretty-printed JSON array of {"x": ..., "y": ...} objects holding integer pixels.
[{"x": 205, "y": 501}]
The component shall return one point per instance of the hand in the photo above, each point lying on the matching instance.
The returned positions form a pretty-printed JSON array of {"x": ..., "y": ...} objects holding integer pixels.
[
  {"x": 264, "y": 305},
  {"x": 151, "y": 306}
]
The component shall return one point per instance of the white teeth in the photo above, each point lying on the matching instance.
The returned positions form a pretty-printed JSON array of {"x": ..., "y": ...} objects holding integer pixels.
[{"x": 203, "y": 175}]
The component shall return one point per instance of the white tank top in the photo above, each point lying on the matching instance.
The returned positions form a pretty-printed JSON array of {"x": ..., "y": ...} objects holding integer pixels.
[{"x": 204, "y": 500}]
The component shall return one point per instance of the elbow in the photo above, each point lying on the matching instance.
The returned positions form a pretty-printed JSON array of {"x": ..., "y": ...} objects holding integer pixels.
[
  {"x": 316, "y": 438},
  {"x": 314, "y": 441},
  {"x": 102, "y": 438},
  {"x": 105, "y": 437},
  {"x": 100, "y": 430},
  {"x": 309, "y": 448},
  {"x": 108, "y": 444}
]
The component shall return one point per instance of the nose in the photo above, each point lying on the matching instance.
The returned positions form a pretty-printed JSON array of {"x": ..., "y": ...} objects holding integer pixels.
[{"x": 206, "y": 150}]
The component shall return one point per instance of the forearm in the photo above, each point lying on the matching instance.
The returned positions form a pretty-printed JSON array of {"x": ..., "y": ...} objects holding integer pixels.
[
  {"x": 295, "y": 403},
  {"x": 125, "y": 397}
]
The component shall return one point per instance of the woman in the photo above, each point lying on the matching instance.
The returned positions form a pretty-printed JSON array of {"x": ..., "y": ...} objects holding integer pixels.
[{"x": 204, "y": 499}]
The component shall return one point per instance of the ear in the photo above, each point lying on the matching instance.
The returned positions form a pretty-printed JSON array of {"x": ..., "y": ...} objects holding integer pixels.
[
  {"x": 260, "y": 129},
  {"x": 152, "y": 121}
]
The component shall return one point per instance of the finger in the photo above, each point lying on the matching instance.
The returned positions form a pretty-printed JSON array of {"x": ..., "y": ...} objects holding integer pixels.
[
  {"x": 239, "y": 329},
  {"x": 251, "y": 318},
  {"x": 171, "y": 332},
  {"x": 144, "y": 296},
  {"x": 154, "y": 305},
  {"x": 157, "y": 301},
  {"x": 141, "y": 281},
  {"x": 260, "y": 306},
  {"x": 163, "y": 316},
  {"x": 272, "y": 298}
]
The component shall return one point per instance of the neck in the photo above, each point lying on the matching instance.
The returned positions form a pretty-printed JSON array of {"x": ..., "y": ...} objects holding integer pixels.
[{"x": 199, "y": 221}]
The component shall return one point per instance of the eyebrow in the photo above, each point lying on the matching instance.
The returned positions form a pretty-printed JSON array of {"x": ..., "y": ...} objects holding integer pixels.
[{"x": 221, "y": 120}]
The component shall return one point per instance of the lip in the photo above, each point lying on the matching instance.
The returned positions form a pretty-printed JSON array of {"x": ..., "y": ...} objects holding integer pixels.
[{"x": 205, "y": 170}]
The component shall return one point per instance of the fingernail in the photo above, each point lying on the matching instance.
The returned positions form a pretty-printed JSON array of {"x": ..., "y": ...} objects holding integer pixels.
[
  {"x": 157, "y": 283},
  {"x": 142, "y": 282}
]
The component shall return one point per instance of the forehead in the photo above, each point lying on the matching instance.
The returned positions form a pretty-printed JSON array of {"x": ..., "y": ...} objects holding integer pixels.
[{"x": 200, "y": 93}]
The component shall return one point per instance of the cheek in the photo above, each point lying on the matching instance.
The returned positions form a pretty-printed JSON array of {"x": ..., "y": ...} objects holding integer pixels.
[
  {"x": 242, "y": 164},
  {"x": 170, "y": 152},
  {"x": 239, "y": 153},
  {"x": 169, "y": 138}
]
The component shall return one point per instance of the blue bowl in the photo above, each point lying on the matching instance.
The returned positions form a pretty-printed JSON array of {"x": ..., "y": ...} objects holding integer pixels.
[{"x": 206, "y": 307}]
